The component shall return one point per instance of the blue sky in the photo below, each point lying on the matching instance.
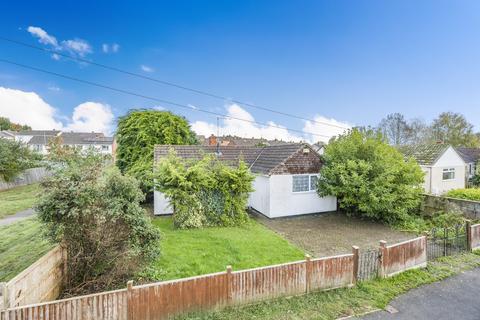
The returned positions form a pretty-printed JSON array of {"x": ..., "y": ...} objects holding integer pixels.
[{"x": 353, "y": 61}]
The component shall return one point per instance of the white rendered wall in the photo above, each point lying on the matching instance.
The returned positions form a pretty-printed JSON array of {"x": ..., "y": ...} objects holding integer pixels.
[
  {"x": 259, "y": 199},
  {"x": 450, "y": 159},
  {"x": 161, "y": 205}
]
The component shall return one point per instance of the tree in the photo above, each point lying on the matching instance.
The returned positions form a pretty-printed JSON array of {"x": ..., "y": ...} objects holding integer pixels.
[
  {"x": 395, "y": 128},
  {"x": 452, "y": 128},
  {"x": 94, "y": 212},
  {"x": 370, "y": 178},
  {"x": 6, "y": 124},
  {"x": 15, "y": 157},
  {"x": 137, "y": 134}
]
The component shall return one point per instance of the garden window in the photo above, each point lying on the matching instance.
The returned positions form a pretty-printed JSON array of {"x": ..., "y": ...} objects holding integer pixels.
[
  {"x": 304, "y": 183},
  {"x": 448, "y": 174}
]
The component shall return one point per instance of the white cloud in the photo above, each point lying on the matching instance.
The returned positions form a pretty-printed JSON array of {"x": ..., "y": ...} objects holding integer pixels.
[
  {"x": 54, "y": 88},
  {"x": 55, "y": 57},
  {"x": 146, "y": 68},
  {"x": 29, "y": 108},
  {"x": 110, "y": 48},
  {"x": 43, "y": 36},
  {"x": 78, "y": 46},
  {"x": 325, "y": 127},
  {"x": 105, "y": 48}
]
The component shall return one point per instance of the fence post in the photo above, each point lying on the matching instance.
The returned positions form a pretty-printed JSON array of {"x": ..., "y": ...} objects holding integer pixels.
[
  {"x": 229, "y": 285},
  {"x": 383, "y": 258},
  {"x": 130, "y": 315},
  {"x": 308, "y": 271},
  {"x": 4, "y": 292},
  {"x": 355, "y": 251},
  {"x": 468, "y": 231}
]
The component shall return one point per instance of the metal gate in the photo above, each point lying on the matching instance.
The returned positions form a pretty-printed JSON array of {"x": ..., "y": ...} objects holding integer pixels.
[
  {"x": 446, "y": 241},
  {"x": 368, "y": 262}
]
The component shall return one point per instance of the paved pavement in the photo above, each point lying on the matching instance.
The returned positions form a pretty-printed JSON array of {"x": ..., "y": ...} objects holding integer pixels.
[
  {"x": 454, "y": 298},
  {"x": 17, "y": 217}
]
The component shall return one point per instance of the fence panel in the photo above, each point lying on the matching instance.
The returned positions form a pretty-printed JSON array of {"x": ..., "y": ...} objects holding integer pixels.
[
  {"x": 331, "y": 272},
  {"x": 475, "y": 237},
  {"x": 403, "y": 256},
  {"x": 29, "y": 176},
  {"x": 368, "y": 264},
  {"x": 446, "y": 241},
  {"x": 268, "y": 282}
]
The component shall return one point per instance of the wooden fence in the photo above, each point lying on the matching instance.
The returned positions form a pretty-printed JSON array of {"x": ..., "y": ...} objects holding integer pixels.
[
  {"x": 163, "y": 300},
  {"x": 40, "y": 282},
  {"x": 473, "y": 236},
  {"x": 29, "y": 176},
  {"x": 402, "y": 256}
]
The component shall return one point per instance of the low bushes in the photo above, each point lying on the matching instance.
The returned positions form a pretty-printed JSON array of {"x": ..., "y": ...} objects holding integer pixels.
[
  {"x": 205, "y": 192},
  {"x": 467, "y": 194}
]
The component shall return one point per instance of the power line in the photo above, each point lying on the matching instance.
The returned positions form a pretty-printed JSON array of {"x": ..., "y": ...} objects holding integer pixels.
[
  {"x": 167, "y": 83},
  {"x": 152, "y": 98}
]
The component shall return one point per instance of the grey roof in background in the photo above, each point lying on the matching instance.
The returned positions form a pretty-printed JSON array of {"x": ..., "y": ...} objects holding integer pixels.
[
  {"x": 424, "y": 154},
  {"x": 260, "y": 159},
  {"x": 40, "y": 139},
  {"x": 469, "y": 154},
  {"x": 37, "y": 133},
  {"x": 74, "y": 138}
]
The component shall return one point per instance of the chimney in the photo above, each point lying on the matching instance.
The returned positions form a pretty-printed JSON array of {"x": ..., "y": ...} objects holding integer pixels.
[{"x": 212, "y": 140}]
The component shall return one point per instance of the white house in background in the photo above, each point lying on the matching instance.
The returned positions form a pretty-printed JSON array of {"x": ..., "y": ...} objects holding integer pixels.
[
  {"x": 37, "y": 140},
  {"x": 443, "y": 166},
  {"x": 285, "y": 177},
  {"x": 471, "y": 156}
]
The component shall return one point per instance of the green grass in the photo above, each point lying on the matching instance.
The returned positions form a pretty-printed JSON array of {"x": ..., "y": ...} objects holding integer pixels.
[
  {"x": 366, "y": 296},
  {"x": 18, "y": 199},
  {"x": 21, "y": 244},
  {"x": 187, "y": 253}
]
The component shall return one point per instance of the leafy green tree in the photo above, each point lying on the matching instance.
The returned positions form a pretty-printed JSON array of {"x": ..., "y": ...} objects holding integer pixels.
[
  {"x": 6, "y": 124},
  {"x": 94, "y": 212},
  {"x": 370, "y": 178},
  {"x": 205, "y": 192},
  {"x": 452, "y": 128},
  {"x": 15, "y": 157},
  {"x": 137, "y": 134}
]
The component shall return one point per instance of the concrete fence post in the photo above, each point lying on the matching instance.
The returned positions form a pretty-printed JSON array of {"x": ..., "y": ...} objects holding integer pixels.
[
  {"x": 229, "y": 284},
  {"x": 356, "y": 257},
  {"x": 308, "y": 272},
  {"x": 130, "y": 313},
  {"x": 4, "y": 297},
  {"x": 468, "y": 231},
  {"x": 383, "y": 259}
]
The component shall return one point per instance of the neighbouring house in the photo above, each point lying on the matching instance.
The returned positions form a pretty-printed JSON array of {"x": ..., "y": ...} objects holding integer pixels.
[
  {"x": 37, "y": 140},
  {"x": 230, "y": 140},
  {"x": 285, "y": 177},
  {"x": 471, "y": 156},
  {"x": 443, "y": 166}
]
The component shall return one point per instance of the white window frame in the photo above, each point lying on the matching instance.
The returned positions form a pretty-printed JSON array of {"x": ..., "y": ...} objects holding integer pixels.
[
  {"x": 105, "y": 147},
  {"x": 310, "y": 190},
  {"x": 448, "y": 171}
]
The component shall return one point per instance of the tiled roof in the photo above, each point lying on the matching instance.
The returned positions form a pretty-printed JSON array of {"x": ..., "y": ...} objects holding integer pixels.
[
  {"x": 469, "y": 154},
  {"x": 424, "y": 154},
  {"x": 260, "y": 159},
  {"x": 37, "y": 133},
  {"x": 74, "y": 138}
]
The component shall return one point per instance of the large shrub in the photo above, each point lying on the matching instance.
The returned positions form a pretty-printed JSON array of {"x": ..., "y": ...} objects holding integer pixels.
[
  {"x": 15, "y": 157},
  {"x": 205, "y": 192},
  {"x": 370, "y": 178},
  {"x": 467, "y": 194},
  {"x": 95, "y": 212},
  {"x": 137, "y": 134}
]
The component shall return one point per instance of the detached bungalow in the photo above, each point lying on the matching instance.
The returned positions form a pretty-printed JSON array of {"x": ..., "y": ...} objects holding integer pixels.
[
  {"x": 443, "y": 166},
  {"x": 285, "y": 177}
]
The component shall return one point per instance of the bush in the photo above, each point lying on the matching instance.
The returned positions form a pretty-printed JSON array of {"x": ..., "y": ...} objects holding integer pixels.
[
  {"x": 94, "y": 211},
  {"x": 137, "y": 134},
  {"x": 370, "y": 178},
  {"x": 15, "y": 157},
  {"x": 467, "y": 194},
  {"x": 205, "y": 192}
]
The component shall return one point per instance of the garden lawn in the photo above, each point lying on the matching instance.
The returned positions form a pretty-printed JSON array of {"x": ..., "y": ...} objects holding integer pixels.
[
  {"x": 192, "y": 252},
  {"x": 18, "y": 199},
  {"x": 21, "y": 244}
]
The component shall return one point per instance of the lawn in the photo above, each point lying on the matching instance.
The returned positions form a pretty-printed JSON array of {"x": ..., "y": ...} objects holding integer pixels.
[
  {"x": 21, "y": 244},
  {"x": 366, "y": 296},
  {"x": 18, "y": 199},
  {"x": 194, "y": 252}
]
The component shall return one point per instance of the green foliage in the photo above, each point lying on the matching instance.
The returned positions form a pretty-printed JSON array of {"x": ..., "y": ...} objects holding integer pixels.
[
  {"x": 420, "y": 223},
  {"x": 6, "y": 124},
  {"x": 95, "y": 212},
  {"x": 467, "y": 194},
  {"x": 205, "y": 192},
  {"x": 370, "y": 178},
  {"x": 137, "y": 134},
  {"x": 15, "y": 158},
  {"x": 452, "y": 128}
]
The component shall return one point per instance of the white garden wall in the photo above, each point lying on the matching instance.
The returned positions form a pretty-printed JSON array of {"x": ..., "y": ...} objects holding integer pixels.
[{"x": 259, "y": 199}]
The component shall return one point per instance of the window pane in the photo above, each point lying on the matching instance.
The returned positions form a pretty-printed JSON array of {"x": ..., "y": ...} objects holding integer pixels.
[
  {"x": 313, "y": 182},
  {"x": 448, "y": 174},
  {"x": 300, "y": 183}
]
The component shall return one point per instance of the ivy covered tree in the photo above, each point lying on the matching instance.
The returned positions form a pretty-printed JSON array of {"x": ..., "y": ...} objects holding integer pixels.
[
  {"x": 15, "y": 157},
  {"x": 137, "y": 134},
  {"x": 370, "y": 178}
]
